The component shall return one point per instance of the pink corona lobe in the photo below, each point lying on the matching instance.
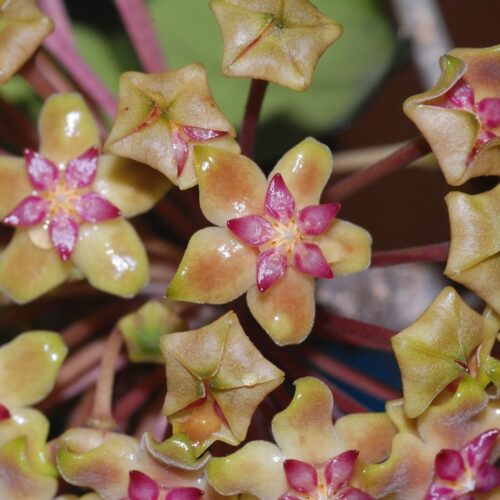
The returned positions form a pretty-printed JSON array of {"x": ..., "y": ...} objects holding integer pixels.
[
  {"x": 271, "y": 266},
  {"x": 184, "y": 494},
  {"x": 315, "y": 219},
  {"x": 309, "y": 259},
  {"x": 142, "y": 487},
  {"x": 279, "y": 201},
  {"x": 339, "y": 469},
  {"x": 300, "y": 476},
  {"x": 4, "y": 412},
  {"x": 62, "y": 199},
  {"x": 252, "y": 229}
]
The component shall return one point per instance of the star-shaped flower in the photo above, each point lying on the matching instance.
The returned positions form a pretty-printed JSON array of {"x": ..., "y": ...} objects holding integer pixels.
[
  {"x": 276, "y": 40},
  {"x": 460, "y": 115},
  {"x": 162, "y": 116},
  {"x": 274, "y": 238},
  {"x": 463, "y": 472},
  {"x": 216, "y": 378},
  {"x": 22, "y": 30},
  {"x": 474, "y": 259},
  {"x": 312, "y": 458},
  {"x": 66, "y": 203}
]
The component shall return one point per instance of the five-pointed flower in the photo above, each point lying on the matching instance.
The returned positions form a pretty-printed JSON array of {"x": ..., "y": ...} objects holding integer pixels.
[
  {"x": 66, "y": 202},
  {"x": 22, "y": 30},
  {"x": 162, "y": 116},
  {"x": 274, "y": 238},
  {"x": 460, "y": 115},
  {"x": 312, "y": 458},
  {"x": 276, "y": 40},
  {"x": 461, "y": 473}
]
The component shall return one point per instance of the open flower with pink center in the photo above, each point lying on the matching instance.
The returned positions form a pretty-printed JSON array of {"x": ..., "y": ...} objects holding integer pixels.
[
  {"x": 460, "y": 115},
  {"x": 67, "y": 204},
  {"x": 461, "y": 473},
  {"x": 273, "y": 238},
  {"x": 312, "y": 457}
]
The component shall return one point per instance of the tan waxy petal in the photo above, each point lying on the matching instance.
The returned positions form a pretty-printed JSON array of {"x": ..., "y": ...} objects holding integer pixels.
[
  {"x": 433, "y": 351},
  {"x": 216, "y": 268},
  {"x": 231, "y": 185},
  {"x": 143, "y": 328},
  {"x": 67, "y": 128},
  {"x": 264, "y": 475},
  {"x": 286, "y": 309},
  {"x": 346, "y": 247},
  {"x": 22, "y": 30},
  {"x": 14, "y": 183},
  {"x": 101, "y": 461},
  {"x": 19, "y": 480},
  {"x": 153, "y": 106},
  {"x": 304, "y": 430},
  {"x": 273, "y": 40},
  {"x": 22, "y": 383},
  {"x": 133, "y": 187},
  {"x": 406, "y": 474},
  {"x": 475, "y": 243},
  {"x": 34, "y": 426},
  {"x": 306, "y": 169},
  {"x": 111, "y": 256},
  {"x": 27, "y": 271},
  {"x": 369, "y": 433}
]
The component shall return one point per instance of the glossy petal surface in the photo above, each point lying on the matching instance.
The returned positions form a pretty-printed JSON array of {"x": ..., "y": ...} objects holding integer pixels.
[
  {"x": 81, "y": 171},
  {"x": 309, "y": 259},
  {"x": 142, "y": 487},
  {"x": 449, "y": 465},
  {"x": 67, "y": 128},
  {"x": 216, "y": 268},
  {"x": 271, "y": 266},
  {"x": 231, "y": 185},
  {"x": 112, "y": 257},
  {"x": 339, "y": 469},
  {"x": 22, "y": 258},
  {"x": 30, "y": 212},
  {"x": 315, "y": 219},
  {"x": 301, "y": 477},
  {"x": 279, "y": 202},
  {"x": 252, "y": 229},
  {"x": 22, "y": 383},
  {"x": 42, "y": 172},
  {"x": 92, "y": 207}
]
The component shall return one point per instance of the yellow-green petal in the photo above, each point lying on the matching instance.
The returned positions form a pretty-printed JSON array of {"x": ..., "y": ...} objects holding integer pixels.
[
  {"x": 433, "y": 351},
  {"x": 285, "y": 310},
  {"x": 29, "y": 365},
  {"x": 67, "y": 128},
  {"x": 112, "y": 257},
  {"x": 133, "y": 187},
  {"x": 27, "y": 271},
  {"x": 14, "y": 183},
  {"x": 306, "y": 169},
  {"x": 346, "y": 247},
  {"x": 216, "y": 268},
  {"x": 304, "y": 430},
  {"x": 231, "y": 185}
]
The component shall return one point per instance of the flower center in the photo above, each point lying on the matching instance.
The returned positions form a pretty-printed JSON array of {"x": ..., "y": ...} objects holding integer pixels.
[
  {"x": 286, "y": 236},
  {"x": 61, "y": 198}
]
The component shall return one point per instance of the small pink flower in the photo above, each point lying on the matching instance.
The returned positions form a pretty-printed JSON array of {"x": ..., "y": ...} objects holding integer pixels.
[
  {"x": 62, "y": 199},
  {"x": 461, "y": 473},
  {"x": 282, "y": 235}
]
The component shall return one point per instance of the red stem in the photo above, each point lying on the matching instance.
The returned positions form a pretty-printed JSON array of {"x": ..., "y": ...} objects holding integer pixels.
[
  {"x": 142, "y": 34},
  {"x": 354, "y": 332},
  {"x": 252, "y": 112},
  {"x": 62, "y": 46},
  {"x": 436, "y": 252},
  {"x": 402, "y": 157}
]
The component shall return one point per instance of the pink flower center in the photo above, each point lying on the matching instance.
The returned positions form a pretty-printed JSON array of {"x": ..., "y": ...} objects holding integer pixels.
[
  {"x": 61, "y": 200},
  {"x": 285, "y": 237}
]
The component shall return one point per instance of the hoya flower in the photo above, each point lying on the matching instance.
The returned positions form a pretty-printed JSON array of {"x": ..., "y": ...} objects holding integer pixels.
[
  {"x": 474, "y": 260},
  {"x": 162, "y": 116},
  {"x": 312, "y": 458},
  {"x": 117, "y": 466},
  {"x": 441, "y": 346},
  {"x": 276, "y": 40},
  {"x": 463, "y": 472},
  {"x": 67, "y": 203},
  {"x": 216, "y": 378},
  {"x": 22, "y": 30},
  {"x": 460, "y": 115},
  {"x": 143, "y": 329},
  {"x": 28, "y": 368},
  {"x": 273, "y": 238}
]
